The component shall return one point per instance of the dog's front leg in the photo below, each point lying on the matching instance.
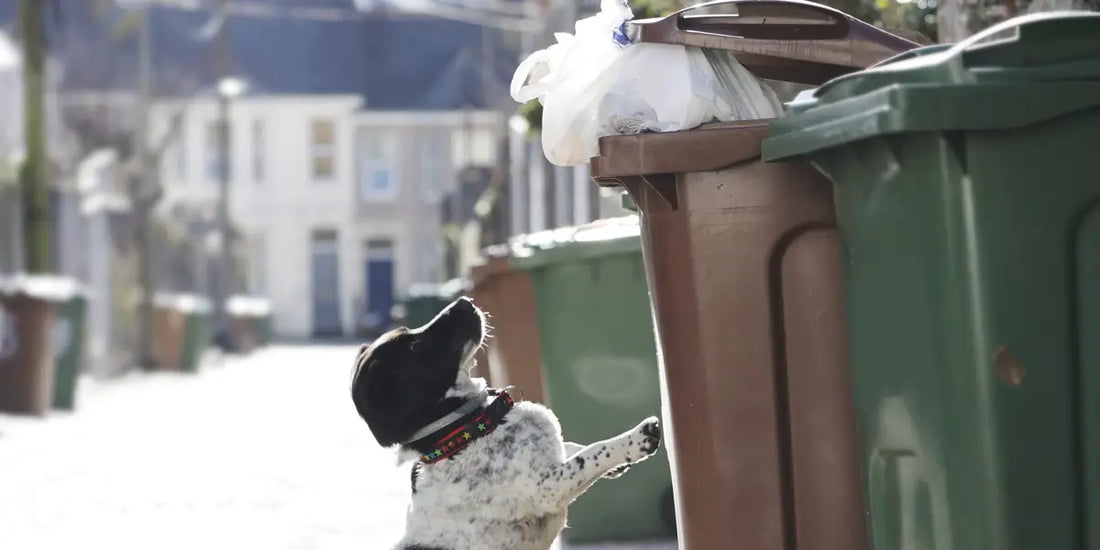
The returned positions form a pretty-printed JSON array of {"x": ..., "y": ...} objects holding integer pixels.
[
  {"x": 565, "y": 482},
  {"x": 572, "y": 448}
]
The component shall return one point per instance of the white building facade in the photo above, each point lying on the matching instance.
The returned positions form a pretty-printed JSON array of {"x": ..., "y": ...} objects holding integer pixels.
[{"x": 339, "y": 207}]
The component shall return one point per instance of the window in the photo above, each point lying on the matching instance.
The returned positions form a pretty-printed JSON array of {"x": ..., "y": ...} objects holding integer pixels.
[
  {"x": 258, "y": 149},
  {"x": 216, "y": 162},
  {"x": 323, "y": 140},
  {"x": 436, "y": 170},
  {"x": 377, "y": 165},
  {"x": 475, "y": 146}
]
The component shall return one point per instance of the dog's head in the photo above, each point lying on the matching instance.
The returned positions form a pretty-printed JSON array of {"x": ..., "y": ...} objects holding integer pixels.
[{"x": 409, "y": 378}]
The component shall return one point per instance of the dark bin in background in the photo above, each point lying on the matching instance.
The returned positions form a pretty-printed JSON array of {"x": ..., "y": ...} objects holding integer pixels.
[
  {"x": 506, "y": 293},
  {"x": 967, "y": 188},
  {"x": 423, "y": 302},
  {"x": 742, "y": 259},
  {"x": 247, "y": 316},
  {"x": 69, "y": 329},
  {"x": 600, "y": 366},
  {"x": 27, "y": 365}
]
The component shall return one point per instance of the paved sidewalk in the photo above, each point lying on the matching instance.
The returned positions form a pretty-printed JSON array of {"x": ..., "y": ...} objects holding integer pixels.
[{"x": 264, "y": 452}]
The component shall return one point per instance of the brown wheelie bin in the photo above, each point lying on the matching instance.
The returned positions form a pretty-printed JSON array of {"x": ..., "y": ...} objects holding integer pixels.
[
  {"x": 514, "y": 357},
  {"x": 169, "y": 330},
  {"x": 743, "y": 264},
  {"x": 27, "y": 307}
]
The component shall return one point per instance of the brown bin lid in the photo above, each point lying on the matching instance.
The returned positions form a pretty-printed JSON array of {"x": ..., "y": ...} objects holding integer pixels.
[
  {"x": 709, "y": 147},
  {"x": 789, "y": 40}
]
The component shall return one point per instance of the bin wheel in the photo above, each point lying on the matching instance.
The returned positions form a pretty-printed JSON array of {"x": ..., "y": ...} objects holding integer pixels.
[{"x": 667, "y": 506}]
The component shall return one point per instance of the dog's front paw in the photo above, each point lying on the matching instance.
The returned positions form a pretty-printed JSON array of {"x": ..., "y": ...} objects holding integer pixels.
[{"x": 649, "y": 436}]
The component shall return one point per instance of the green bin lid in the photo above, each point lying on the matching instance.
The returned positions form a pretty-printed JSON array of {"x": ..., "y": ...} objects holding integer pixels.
[
  {"x": 445, "y": 291},
  {"x": 606, "y": 237},
  {"x": 1020, "y": 72},
  {"x": 193, "y": 304}
]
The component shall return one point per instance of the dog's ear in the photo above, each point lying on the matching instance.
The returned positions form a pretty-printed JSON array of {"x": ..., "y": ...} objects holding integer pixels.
[
  {"x": 387, "y": 395},
  {"x": 383, "y": 389}
]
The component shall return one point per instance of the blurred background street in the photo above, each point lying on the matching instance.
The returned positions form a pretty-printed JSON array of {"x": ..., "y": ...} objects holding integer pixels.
[{"x": 261, "y": 452}]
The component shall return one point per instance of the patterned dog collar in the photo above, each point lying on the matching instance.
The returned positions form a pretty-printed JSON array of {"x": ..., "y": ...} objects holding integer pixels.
[{"x": 456, "y": 436}]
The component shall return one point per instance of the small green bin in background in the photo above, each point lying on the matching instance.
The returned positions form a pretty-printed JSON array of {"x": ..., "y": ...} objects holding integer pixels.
[
  {"x": 600, "y": 362},
  {"x": 425, "y": 300},
  {"x": 266, "y": 328},
  {"x": 68, "y": 344},
  {"x": 198, "y": 331},
  {"x": 967, "y": 189}
]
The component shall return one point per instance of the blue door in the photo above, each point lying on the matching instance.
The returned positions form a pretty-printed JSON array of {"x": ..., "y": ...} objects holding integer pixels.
[
  {"x": 378, "y": 279},
  {"x": 326, "y": 285}
]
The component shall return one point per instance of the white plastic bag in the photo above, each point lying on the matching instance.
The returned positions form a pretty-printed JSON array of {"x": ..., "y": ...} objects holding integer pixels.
[
  {"x": 739, "y": 94},
  {"x": 563, "y": 78},
  {"x": 597, "y": 83}
]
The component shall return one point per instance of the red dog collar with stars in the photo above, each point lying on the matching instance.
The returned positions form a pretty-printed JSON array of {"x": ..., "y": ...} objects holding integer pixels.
[{"x": 458, "y": 435}]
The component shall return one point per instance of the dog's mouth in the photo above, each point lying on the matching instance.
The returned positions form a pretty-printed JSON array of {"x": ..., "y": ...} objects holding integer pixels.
[
  {"x": 469, "y": 355},
  {"x": 462, "y": 324},
  {"x": 474, "y": 342}
]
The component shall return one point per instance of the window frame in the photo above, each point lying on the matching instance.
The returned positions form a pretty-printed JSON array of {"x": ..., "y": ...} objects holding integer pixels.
[
  {"x": 319, "y": 150},
  {"x": 379, "y": 152}
]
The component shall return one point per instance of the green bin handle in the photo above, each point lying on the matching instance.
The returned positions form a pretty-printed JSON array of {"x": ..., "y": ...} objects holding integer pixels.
[{"x": 1061, "y": 35}]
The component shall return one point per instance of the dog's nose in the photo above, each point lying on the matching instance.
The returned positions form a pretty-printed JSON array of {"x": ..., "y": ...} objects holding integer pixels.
[{"x": 463, "y": 303}]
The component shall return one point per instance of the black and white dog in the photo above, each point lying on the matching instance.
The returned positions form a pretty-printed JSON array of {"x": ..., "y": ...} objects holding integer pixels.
[{"x": 490, "y": 474}]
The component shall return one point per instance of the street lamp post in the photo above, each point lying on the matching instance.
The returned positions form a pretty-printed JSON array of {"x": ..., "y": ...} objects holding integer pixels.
[{"x": 229, "y": 88}]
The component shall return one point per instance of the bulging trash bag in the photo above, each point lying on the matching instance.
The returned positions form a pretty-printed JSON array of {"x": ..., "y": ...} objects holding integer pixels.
[{"x": 598, "y": 82}]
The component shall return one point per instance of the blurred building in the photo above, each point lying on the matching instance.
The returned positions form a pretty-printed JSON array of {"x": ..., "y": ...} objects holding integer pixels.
[
  {"x": 375, "y": 148},
  {"x": 342, "y": 150},
  {"x": 338, "y": 207},
  {"x": 541, "y": 195}
]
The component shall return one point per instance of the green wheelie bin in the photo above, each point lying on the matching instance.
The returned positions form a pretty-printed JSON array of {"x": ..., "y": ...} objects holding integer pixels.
[
  {"x": 197, "y": 332},
  {"x": 600, "y": 362},
  {"x": 967, "y": 191},
  {"x": 68, "y": 344}
]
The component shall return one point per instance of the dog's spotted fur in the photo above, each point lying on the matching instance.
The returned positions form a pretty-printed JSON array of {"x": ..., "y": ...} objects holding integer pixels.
[{"x": 506, "y": 491}]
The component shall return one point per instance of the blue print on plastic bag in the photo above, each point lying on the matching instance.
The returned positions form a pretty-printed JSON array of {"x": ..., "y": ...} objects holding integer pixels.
[{"x": 621, "y": 35}]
